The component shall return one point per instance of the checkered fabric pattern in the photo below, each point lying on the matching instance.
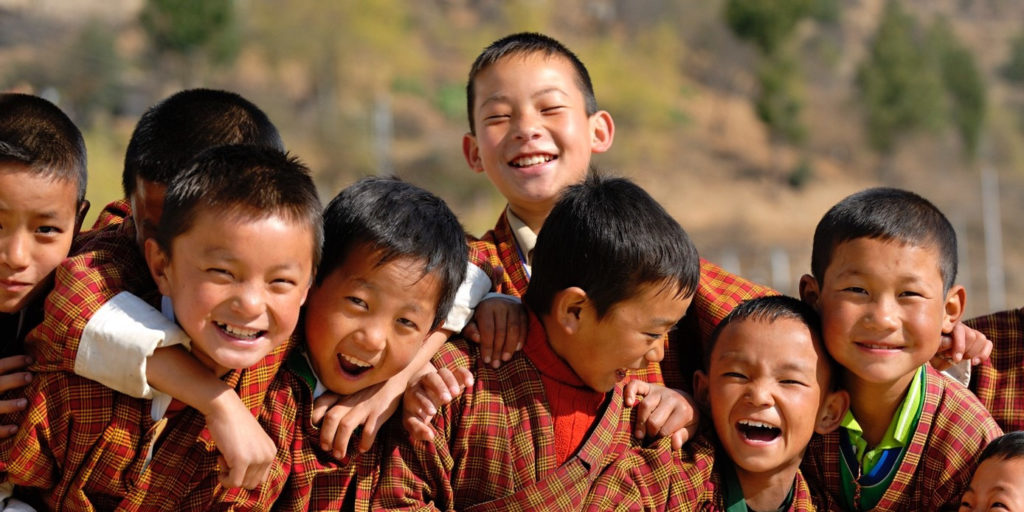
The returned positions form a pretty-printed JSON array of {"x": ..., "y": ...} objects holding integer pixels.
[
  {"x": 941, "y": 457},
  {"x": 84, "y": 447},
  {"x": 115, "y": 212},
  {"x": 656, "y": 478},
  {"x": 315, "y": 480},
  {"x": 999, "y": 382},
  {"x": 717, "y": 294},
  {"x": 107, "y": 263},
  {"x": 494, "y": 446}
]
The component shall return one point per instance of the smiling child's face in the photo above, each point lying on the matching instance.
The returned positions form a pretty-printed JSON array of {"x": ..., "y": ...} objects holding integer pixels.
[
  {"x": 766, "y": 383},
  {"x": 998, "y": 484},
  {"x": 366, "y": 320},
  {"x": 237, "y": 284}
]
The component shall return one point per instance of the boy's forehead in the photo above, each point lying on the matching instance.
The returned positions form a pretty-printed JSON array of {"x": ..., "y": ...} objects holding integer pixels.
[
  {"x": 536, "y": 62},
  {"x": 851, "y": 256},
  {"x": 49, "y": 189},
  {"x": 783, "y": 340}
]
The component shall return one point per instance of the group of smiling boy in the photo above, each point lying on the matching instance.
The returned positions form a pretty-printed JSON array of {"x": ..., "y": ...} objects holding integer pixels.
[{"x": 171, "y": 368}]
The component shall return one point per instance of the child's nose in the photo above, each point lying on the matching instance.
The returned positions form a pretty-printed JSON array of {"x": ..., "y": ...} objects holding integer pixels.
[
  {"x": 372, "y": 337},
  {"x": 657, "y": 352},
  {"x": 759, "y": 394},
  {"x": 527, "y": 126},
  {"x": 883, "y": 314},
  {"x": 249, "y": 300},
  {"x": 14, "y": 250}
]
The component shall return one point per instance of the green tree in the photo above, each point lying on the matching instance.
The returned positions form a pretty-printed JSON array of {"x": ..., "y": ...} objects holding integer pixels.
[
  {"x": 190, "y": 27},
  {"x": 963, "y": 82},
  {"x": 766, "y": 23},
  {"x": 901, "y": 91},
  {"x": 1013, "y": 69}
]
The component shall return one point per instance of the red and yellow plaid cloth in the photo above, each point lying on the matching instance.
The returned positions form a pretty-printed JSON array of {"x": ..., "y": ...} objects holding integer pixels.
[
  {"x": 315, "y": 479},
  {"x": 940, "y": 460},
  {"x": 84, "y": 445},
  {"x": 656, "y": 478},
  {"x": 494, "y": 447},
  {"x": 999, "y": 382},
  {"x": 497, "y": 254}
]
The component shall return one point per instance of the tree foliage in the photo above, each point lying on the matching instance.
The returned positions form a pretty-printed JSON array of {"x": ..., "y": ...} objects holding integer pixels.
[
  {"x": 963, "y": 82},
  {"x": 900, "y": 89},
  {"x": 1013, "y": 69},
  {"x": 188, "y": 27},
  {"x": 766, "y": 23}
]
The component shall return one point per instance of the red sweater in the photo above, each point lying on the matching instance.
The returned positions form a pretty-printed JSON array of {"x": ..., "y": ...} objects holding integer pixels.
[{"x": 574, "y": 405}]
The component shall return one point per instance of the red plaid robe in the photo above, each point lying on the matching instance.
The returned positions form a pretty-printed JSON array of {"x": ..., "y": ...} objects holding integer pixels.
[
  {"x": 658, "y": 478},
  {"x": 494, "y": 446},
  {"x": 83, "y": 442},
  {"x": 940, "y": 460},
  {"x": 315, "y": 479},
  {"x": 999, "y": 382},
  {"x": 497, "y": 254},
  {"x": 82, "y": 446},
  {"x": 115, "y": 212}
]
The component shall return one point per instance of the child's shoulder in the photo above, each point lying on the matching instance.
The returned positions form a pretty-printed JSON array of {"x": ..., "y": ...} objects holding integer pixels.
[{"x": 959, "y": 419}]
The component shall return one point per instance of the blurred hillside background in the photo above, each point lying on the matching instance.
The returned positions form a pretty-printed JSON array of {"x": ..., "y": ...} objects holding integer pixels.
[{"x": 747, "y": 119}]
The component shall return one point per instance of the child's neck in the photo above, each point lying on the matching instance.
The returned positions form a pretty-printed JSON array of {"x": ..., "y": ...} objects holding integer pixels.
[
  {"x": 532, "y": 217},
  {"x": 768, "y": 490},
  {"x": 875, "y": 404}
]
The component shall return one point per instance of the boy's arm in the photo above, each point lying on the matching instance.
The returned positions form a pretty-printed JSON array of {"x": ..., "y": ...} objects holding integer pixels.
[{"x": 11, "y": 379}]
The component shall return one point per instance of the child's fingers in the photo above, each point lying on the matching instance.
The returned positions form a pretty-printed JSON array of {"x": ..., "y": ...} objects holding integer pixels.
[
  {"x": 8, "y": 431},
  {"x": 455, "y": 382},
  {"x": 17, "y": 404},
  {"x": 634, "y": 390},
  {"x": 229, "y": 477},
  {"x": 471, "y": 332},
  {"x": 485, "y": 324},
  {"x": 436, "y": 388},
  {"x": 465, "y": 378},
  {"x": 679, "y": 438},
  {"x": 14, "y": 380},
  {"x": 322, "y": 404},
  {"x": 497, "y": 337},
  {"x": 643, "y": 414},
  {"x": 11, "y": 363},
  {"x": 418, "y": 429}
]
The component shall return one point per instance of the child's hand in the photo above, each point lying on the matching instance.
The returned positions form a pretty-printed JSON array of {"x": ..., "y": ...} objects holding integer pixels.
[
  {"x": 368, "y": 408},
  {"x": 246, "y": 451},
  {"x": 499, "y": 326},
  {"x": 9, "y": 379},
  {"x": 661, "y": 412},
  {"x": 962, "y": 343},
  {"x": 427, "y": 394}
]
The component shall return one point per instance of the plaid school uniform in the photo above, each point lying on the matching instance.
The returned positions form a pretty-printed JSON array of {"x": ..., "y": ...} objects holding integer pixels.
[
  {"x": 939, "y": 461},
  {"x": 315, "y": 480},
  {"x": 115, "y": 212},
  {"x": 83, "y": 446},
  {"x": 999, "y": 382},
  {"x": 656, "y": 478},
  {"x": 494, "y": 446},
  {"x": 718, "y": 292}
]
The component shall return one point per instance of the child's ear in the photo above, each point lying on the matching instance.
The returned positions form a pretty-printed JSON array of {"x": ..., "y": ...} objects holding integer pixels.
[
  {"x": 158, "y": 261},
  {"x": 809, "y": 291},
  {"x": 83, "y": 209},
  {"x": 956, "y": 301},
  {"x": 700, "y": 389},
  {"x": 567, "y": 308},
  {"x": 832, "y": 411},
  {"x": 471, "y": 151},
  {"x": 602, "y": 131}
]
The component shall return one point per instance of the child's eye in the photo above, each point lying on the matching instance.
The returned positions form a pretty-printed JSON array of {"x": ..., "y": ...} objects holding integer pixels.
[
  {"x": 792, "y": 382},
  {"x": 553, "y": 109},
  {"x": 408, "y": 323},
  {"x": 282, "y": 285},
  {"x": 357, "y": 301},
  {"x": 219, "y": 272},
  {"x": 654, "y": 336},
  {"x": 496, "y": 118},
  {"x": 911, "y": 294},
  {"x": 854, "y": 289},
  {"x": 734, "y": 375},
  {"x": 48, "y": 230}
]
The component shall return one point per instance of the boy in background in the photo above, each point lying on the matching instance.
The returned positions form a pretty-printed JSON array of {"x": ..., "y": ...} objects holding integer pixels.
[
  {"x": 536, "y": 431},
  {"x": 394, "y": 255},
  {"x": 42, "y": 204},
  {"x": 999, "y": 382},
  {"x": 232, "y": 260},
  {"x": 768, "y": 385},
  {"x": 998, "y": 483},
  {"x": 884, "y": 265}
]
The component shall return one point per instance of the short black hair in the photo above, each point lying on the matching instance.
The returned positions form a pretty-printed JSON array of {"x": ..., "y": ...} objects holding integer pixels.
[
  {"x": 171, "y": 133},
  {"x": 886, "y": 214},
  {"x": 1007, "y": 446},
  {"x": 769, "y": 309},
  {"x": 250, "y": 181},
  {"x": 523, "y": 44},
  {"x": 38, "y": 135},
  {"x": 400, "y": 220},
  {"x": 609, "y": 237}
]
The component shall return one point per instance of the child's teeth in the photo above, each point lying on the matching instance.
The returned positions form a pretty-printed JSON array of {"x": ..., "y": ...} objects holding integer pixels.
[
  {"x": 757, "y": 424},
  {"x": 355, "y": 361},
  {"x": 240, "y": 332},
  {"x": 531, "y": 160}
]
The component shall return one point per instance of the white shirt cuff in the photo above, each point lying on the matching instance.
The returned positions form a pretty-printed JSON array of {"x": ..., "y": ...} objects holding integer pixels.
[
  {"x": 470, "y": 293},
  {"x": 960, "y": 372},
  {"x": 118, "y": 339}
]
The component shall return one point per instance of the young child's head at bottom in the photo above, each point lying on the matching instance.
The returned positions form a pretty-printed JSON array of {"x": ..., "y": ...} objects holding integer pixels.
[
  {"x": 42, "y": 195},
  {"x": 884, "y": 263},
  {"x": 394, "y": 256},
  {"x": 235, "y": 251},
  {"x": 998, "y": 482},
  {"x": 613, "y": 272},
  {"x": 770, "y": 385}
]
